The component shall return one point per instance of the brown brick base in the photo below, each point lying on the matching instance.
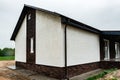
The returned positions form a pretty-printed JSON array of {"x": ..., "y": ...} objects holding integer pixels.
[
  {"x": 59, "y": 72},
  {"x": 109, "y": 64},
  {"x": 79, "y": 69},
  {"x": 55, "y": 72}
]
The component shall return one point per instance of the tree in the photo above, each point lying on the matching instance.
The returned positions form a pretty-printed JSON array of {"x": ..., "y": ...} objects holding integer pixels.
[
  {"x": 0, "y": 52},
  {"x": 7, "y": 52}
]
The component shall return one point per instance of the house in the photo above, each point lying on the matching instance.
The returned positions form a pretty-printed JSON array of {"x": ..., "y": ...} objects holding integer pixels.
[{"x": 60, "y": 47}]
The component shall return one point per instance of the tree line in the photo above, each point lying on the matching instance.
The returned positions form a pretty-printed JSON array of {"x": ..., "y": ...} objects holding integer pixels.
[{"x": 7, "y": 52}]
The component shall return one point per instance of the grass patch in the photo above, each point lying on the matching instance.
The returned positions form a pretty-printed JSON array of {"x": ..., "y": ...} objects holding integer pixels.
[
  {"x": 7, "y": 58},
  {"x": 102, "y": 74}
]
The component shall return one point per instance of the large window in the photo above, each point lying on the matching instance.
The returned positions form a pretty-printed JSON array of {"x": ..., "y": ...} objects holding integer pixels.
[
  {"x": 117, "y": 50},
  {"x": 31, "y": 45},
  {"x": 106, "y": 48}
]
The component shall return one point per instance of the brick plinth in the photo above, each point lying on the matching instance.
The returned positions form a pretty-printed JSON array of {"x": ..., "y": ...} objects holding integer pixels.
[{"x": 59, "y": 72}]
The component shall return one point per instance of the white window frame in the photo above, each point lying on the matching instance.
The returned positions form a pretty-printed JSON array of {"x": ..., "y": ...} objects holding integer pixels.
[
  {"x": 107, "y": 52},
  {"x": 31, "y": 45},
  {"x": 117, "y": 50}
]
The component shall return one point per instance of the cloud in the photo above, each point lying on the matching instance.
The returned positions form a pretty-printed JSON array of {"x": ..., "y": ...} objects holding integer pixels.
[{"x": 102, "y": 14}]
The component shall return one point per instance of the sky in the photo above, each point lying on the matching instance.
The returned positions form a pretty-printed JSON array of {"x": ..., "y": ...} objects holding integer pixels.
[{"x": 100, "y": 14}]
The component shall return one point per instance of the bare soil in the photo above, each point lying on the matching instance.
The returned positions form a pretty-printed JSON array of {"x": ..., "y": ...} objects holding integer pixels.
[
  {"x": 7, "y": 74},
  {"x": 6, "y": 63},
  {"x": 19, "y": 74}
]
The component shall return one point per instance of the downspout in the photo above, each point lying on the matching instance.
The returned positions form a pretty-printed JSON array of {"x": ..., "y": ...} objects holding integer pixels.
[{"x": 65, "y": 40}]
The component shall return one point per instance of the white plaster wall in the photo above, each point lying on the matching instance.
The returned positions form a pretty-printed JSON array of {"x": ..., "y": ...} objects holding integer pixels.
[
  {"x": 82, "y": 46},
  {"x": 20, "y": 43},
  {"x": 49, "y": 40}
]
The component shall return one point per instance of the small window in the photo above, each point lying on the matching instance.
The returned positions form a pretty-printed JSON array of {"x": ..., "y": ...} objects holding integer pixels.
[
  {"x": 117, "y": 50},
  {"x": 29, "y": 16},
  {"x": 31, "y": 45},
  {"x": 106, "y": 48}
]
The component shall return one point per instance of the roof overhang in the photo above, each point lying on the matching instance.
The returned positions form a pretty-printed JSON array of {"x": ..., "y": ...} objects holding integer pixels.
[
  {"x": 113, "y": 33},
  {"x": 64, "y": 20}
]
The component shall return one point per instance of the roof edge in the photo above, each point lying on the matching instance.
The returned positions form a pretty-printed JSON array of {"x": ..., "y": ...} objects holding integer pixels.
[
  {"x": 20, "y": 20},
  {"x": 72, "y": 22},
  {"x": 115, "y": 33},
  {"x": 64, "y": 19}
]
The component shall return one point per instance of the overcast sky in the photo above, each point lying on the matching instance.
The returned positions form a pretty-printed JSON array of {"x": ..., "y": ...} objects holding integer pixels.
[{"x": 101, "y": 14}]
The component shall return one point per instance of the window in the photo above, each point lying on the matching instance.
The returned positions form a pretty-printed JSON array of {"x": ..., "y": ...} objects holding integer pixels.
[
  {"x": 29, "y": 16},
  {"x": 31, "y": 45},
  {"x": 106, "y": 48},
  {"x": 117, "y": 50}
]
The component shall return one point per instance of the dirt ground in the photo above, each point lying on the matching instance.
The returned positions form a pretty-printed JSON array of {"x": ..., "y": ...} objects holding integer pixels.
[
  {"x": 7, "y": 74},
  {"x": 6, "y": 63},
  {"x": 18, "y": 74}
]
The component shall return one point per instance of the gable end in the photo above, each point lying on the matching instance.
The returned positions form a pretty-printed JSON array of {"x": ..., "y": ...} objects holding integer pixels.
[{"x": 20, "y": 20}]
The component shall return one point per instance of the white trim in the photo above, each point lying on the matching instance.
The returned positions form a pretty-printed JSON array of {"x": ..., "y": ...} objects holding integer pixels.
[
  {"x": 107, "y": 53},
  {"x": 31, "y": 45}
]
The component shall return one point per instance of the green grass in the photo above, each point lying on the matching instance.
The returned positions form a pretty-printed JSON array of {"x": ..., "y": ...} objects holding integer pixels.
[
  {"x": 7, "y": 58},
  {"x": 100, "y": 75}
]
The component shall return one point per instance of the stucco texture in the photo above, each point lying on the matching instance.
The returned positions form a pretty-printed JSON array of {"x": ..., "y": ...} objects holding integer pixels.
[
  {"x": 20, "y": 43},
  {"x": 82, "y": 46},
  {"x": 49, "y": 40}
]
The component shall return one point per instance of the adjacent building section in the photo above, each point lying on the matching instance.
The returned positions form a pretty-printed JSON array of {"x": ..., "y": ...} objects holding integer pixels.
[{"x": 82, "y": 46}]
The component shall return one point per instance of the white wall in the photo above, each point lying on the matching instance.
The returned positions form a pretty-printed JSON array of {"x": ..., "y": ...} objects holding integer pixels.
[
  {"x": 20, "y": 43},
  {"x": 82, "y": 46},
  {"x": 49, "y": 40}
]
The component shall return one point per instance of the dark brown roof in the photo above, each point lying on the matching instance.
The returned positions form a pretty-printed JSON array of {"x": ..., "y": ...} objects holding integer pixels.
[
  {"x": 65, "y": 20},
  {"x": 114, "y": 33}
]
